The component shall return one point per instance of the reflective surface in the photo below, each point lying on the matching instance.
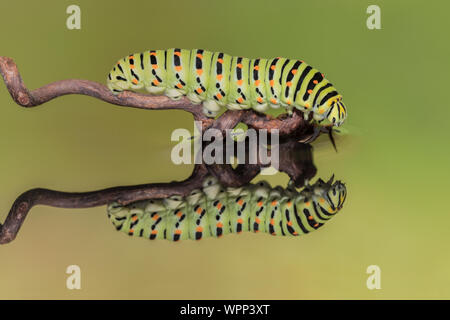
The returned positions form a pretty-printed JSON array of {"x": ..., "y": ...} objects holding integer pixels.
[{"x": 394, "y": 156}]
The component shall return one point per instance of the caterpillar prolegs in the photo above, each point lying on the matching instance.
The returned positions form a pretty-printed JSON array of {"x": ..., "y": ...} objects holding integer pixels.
[
  {"x": 215, "y": 211},
  {"x": 218, "y": 80}
]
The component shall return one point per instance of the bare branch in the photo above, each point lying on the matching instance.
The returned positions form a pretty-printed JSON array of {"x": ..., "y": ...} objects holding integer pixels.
[{"x": 25, "y": 98}]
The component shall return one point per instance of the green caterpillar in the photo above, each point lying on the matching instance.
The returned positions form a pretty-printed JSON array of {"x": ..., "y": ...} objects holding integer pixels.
[
  {"x": 219, "y": 80},
  {"x": 215, "y": 211}
]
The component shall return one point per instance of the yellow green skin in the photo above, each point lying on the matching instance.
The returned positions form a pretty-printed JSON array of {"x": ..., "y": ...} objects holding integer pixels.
[
  {"x": 218, "y": 80},
  {"x": 215, "y": 211}
]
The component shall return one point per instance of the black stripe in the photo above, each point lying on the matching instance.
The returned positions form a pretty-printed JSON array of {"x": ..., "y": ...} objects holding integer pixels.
[
  {"x": 134, "y": 75},
  {"x": 318, "y": 77},
  {"x": 282, "y": 69},
  {"x": 319, "y": 91},
  {"x": 299, "y": 221},
  {"x": 328, "y": 96},
  {"x": 302, "y": 78},
  {"x": 141, "y": 56}
]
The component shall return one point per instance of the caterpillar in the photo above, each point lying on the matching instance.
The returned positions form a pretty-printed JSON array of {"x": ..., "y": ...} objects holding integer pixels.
[
  {"x": 219, "y": 80},
  {"x": 214, "y": 211}
]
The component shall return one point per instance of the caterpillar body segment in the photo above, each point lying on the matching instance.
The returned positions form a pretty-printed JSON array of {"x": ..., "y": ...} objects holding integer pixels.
[
  {"x": 215, "y": 211},
  {"x": 217, "y": 80}
]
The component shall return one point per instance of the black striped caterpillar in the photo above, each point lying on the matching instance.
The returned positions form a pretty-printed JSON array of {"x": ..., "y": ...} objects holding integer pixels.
[
  {"x": 214, "y": 211},
  {"x": 219, "y": 80}
]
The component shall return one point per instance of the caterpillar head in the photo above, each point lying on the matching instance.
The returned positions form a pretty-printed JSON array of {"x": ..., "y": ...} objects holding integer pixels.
[
  {"x": 173, "y": 202},
  {"x": 117, "y": 79},
  {"x": 333, "y": 110},
  {"x": 329, "y": 195}
]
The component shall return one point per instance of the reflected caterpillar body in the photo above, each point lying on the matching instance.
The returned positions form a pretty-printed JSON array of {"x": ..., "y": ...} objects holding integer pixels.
[
  {"x": 215, "y": 211},
  {"x": 218, "y": 80}
]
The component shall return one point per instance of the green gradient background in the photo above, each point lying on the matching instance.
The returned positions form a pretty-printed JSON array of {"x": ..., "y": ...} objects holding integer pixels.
[{"x": 394, "y": 160}]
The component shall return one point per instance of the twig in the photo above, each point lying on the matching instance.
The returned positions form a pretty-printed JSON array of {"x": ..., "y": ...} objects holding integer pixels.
[
  {"x": 295, "y": 160},
  {"x": 25, "y": 98}
]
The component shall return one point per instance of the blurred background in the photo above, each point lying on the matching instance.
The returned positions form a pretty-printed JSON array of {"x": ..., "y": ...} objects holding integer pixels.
[{"x": 393, "y": 157}]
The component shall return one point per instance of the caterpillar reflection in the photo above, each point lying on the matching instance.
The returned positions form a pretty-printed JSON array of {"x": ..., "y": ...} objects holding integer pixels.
[
  {"x": 217, "y": 80},
  {"x": 215, "y": 211}
]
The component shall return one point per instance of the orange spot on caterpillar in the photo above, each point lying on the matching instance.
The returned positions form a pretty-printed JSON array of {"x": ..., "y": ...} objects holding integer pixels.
[
  {"x": 199, "y": 210},
  {"x": 260, "y": 100},
  {"x": 307, "y": 203},
  {"x": 177, "y": 53},
  {"x": 288, "y": 84},
  {"x": 179, "y": 214},
  {"x": 240, "y": 220},
  {"x": 274, "y": 203},
  {"x": 131, "y": 66},
  {"x": 219, "y": 77},
  {"x": 309, "y": 91},
  {"x": 315, "y": 82},
  {"x": 307, "y": 105},
  {"x": 219, "y": 96},
  {"x": 294, "y": 71},
  {"x": 131, "y": 57},
  {"x": 259, "y": 204},
  {"x": 219, "y": 205},
  {"x": 220, "y": 60},
  {"x": 316, "y": 225},
  {"x": 239, "y": 65},
  {"x": 154, "y": 66},
  {"x": 199, "y": 229},
  {"x": 271, "y": 82},
  {"x": 135, "y": 81},
  {"x": 272, "y": 67},
  {"x": 155, "y": 82},
  {"x": 153, "y": 53},
  {"x": 310, "y": 218},
  {"x": 272, "y": 221},
  {"x": 241, "y": 202},
  {"x": 178, "y": 68},
  {"x": 199, "y": 72},
  {"x": 199, "y": 90},
  {"x": 295, "y": 233},
  {"x": 257, "y": 220},
  {"x": 256, "y": 68},
  {"x": 289, "y": 204},
  {"x": 131, "y": 231},
  {"x": 199, "y": 55},
  {"x": 289, "y": 102},
  {"x": 134, "y": 218},
  {"x": 155, "y": 217},
  {"x": 257, "y": 82},
  {"x": 274, "y": 101},
  {"x": 239, "y": 82},
  {"x": 240, "y": 100},
  {"x": 289, "y": 223},
  {"x": 322, "y": 200},
  {"x": 180, "y": 85},
  {"x": 154, "y": 231},
  {"x": 177, "y": 231},
  {"x": 219, "y": 224}
]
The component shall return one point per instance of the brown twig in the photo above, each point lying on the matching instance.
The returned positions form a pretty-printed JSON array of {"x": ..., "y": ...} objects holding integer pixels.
[
  {"x": 294, "y": 126},
  {"x": 25, "y": 98},
  {"x": 295, "y": 160}
]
